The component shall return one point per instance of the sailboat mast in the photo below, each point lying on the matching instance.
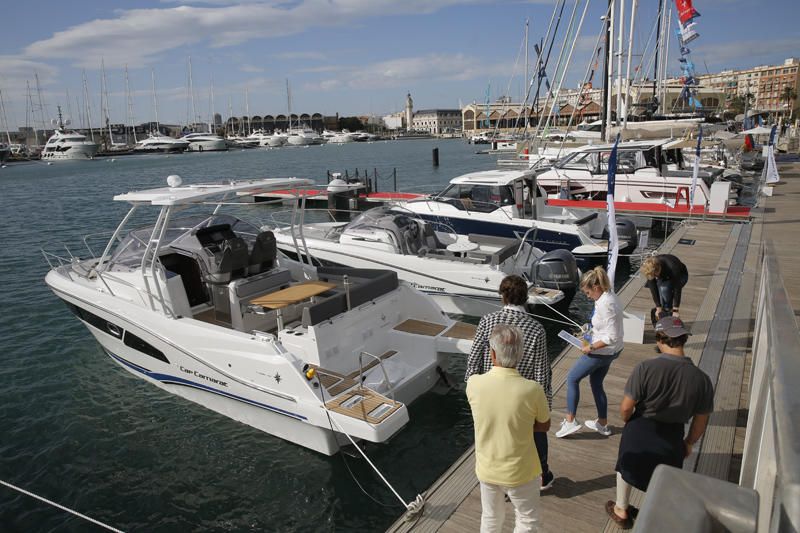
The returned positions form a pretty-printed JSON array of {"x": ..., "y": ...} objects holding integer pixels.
[
  {"x": 191, "y": 95},
  {"x": 658, "y": 47},
  {"x": 39, "y": 96},
  {"x": 5, "y": 118},
  {"x": 628, "y": 68},
  {"x": 605, "y": 118},
  {"x": 155, "y": 100},
  {"x": 664, "y": 63},
  {"x": 289, "y": 102},
  {"x": 211, "y": 106},
  {"x": 130, "y": 106},
  {"x": 104, "y": 101},
  {"x": 620, "y": 52},
  {"x": 525, "y": 84},
  {"x": 247, "y": 109},
  {"x": 87, "y": 105},
  {"x": 610, "y": 59}
]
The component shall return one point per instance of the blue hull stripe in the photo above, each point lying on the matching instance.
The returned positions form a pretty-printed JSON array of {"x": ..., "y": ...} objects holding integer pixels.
[{"x": 174, "y": 380}]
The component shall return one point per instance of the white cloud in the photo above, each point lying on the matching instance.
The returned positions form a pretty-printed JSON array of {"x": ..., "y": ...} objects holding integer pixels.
[
  {"x": 138, "y": 36},
  {"x": 251, "y": 68},
  {"x": 403, "y": 71}
]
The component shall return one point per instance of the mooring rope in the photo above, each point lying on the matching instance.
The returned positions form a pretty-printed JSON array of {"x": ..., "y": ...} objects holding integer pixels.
[{"x": 54, "y": 504}]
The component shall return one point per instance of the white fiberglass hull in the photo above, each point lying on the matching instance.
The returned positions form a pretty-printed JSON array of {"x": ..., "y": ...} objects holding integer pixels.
[
  {"x": 76, "y": 152},
  {"x": 455, "y": 287},
  {"x": 210, "y": 145}
]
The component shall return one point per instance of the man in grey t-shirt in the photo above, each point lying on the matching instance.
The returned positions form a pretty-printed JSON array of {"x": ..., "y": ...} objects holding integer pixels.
[{"x": 661, "y": 396}]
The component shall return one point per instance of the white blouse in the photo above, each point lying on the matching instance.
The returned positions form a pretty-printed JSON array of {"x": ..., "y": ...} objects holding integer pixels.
[{"x": 607, "y": 324}]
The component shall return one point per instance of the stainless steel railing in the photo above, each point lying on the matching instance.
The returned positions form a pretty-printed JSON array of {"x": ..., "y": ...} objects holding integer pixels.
[
  {"x": 767, "y": 499},
  {"x": 771, "y": 457}
]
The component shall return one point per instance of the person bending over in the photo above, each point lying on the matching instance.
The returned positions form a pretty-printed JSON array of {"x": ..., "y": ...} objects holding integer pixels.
[{"x": 666, "y": 276}]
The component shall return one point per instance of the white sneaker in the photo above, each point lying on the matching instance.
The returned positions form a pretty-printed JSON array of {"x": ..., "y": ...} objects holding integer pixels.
[
  {"x": 598, "y": 427},
  {"x": 568, "y": 428}
]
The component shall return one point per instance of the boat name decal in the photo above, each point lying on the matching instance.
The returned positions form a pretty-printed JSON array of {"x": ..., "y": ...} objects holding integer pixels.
[
  {"x": 197, "y": 374},
  {"x": 427, "y": 287}
]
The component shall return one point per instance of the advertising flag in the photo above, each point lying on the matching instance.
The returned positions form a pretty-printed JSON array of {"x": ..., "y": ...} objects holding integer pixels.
[{"x": 613, "y": 239}]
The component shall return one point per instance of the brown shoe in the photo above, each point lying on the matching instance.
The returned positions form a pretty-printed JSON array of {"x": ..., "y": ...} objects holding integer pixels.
[{"x": 623, "y": 523}]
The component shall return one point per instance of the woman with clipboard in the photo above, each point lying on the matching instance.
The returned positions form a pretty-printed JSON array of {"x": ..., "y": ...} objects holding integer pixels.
[{"x": 603, "y": 346}]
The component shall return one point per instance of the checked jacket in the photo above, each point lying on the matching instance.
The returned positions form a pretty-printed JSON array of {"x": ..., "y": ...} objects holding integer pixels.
[{"x": 535, "y": 363}]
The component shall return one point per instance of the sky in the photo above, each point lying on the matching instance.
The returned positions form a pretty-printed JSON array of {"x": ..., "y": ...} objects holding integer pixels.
[{"x": 351, "y": 57}]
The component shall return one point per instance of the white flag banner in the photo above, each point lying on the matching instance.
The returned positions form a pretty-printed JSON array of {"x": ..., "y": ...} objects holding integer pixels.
[
  {"x": 613, "y": 239},
  {"x": 696, "y": 169},
  {"x": 771, "y": 170}
]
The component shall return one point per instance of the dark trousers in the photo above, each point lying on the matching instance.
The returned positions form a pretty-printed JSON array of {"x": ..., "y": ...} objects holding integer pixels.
[{"x": 540, "y": 439}]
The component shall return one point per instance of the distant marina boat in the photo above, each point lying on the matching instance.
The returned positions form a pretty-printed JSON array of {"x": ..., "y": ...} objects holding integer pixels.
[
  {"x": 66, "y": 145},
  {"x": 158, "y": 142},
  {"x": 303, "y": 137},
  {"x": 5, "y": 152},
  {"x": 205, "y": 142}
]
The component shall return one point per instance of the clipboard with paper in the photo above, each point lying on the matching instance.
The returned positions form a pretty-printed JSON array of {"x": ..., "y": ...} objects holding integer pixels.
[{"x": 572, "y": 339}]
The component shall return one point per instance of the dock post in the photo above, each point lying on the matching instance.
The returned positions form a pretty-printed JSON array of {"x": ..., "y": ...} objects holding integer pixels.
[
  {"x": 436, "y": 157},
  {"x": 394, "y": 175}
]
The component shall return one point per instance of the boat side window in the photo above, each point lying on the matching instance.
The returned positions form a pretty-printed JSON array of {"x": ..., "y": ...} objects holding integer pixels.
[
  {"x": 132, "y": 341},
  {"x": 581, "y": 161},
  {"x": 650, "y": 158},
  {"x": 626, "y": 161},
  {"x": 100, "y": 323}
]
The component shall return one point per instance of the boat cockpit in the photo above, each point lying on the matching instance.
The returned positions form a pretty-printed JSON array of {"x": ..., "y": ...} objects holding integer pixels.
[{"x": 216, "y": 268}]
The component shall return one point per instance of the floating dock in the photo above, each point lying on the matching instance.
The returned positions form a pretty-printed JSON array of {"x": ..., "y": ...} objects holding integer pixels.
[{"x": 719, "y": 307}]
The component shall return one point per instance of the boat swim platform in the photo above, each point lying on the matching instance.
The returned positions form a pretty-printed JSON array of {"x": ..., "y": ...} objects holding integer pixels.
[{"x": 718, "y": 307}]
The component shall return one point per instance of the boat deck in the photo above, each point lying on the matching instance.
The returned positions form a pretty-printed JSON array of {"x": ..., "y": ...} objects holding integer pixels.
[{"x": 717, "y": 306}]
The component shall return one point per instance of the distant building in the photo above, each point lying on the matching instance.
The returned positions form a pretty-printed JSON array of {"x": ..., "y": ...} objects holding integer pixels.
[
  {"x": 395, "y": 121},
  {"x": 409, "y": 111},
  {"x": 437, "y": 121},
  {"x": 766, "y": 83}
]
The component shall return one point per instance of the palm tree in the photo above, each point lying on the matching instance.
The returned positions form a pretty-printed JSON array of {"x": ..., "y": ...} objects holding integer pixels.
[{"x": 789, "y": 95}]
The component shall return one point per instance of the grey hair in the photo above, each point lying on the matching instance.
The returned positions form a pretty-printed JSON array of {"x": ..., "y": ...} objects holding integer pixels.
[{"x": 506, "y": 341}]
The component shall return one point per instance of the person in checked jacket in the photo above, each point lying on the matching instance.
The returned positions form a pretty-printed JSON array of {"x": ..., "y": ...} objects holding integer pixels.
[{"x": 535, "y": 362}]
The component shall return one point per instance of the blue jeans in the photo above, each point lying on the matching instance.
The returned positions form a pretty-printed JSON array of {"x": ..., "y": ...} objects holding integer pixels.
[
  {"x": 666, "y": 292},
  {"x": 596, "y": 367}
]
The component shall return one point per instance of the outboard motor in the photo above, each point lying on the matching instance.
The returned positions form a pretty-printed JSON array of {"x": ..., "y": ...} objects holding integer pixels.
[
  {"x": 626, "y": 231},
  {"x": 557, "y": 270}
]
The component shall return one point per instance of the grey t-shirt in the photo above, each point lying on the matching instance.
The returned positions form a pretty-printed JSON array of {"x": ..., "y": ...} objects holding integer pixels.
[{"x": 670, "y": 389}]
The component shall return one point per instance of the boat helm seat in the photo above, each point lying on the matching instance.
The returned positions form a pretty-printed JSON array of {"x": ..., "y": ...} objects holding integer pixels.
[
  {"x": 429, "y": 236},
  {"x": 263, "y": 254},
  {"x": 230, "y": 262}
]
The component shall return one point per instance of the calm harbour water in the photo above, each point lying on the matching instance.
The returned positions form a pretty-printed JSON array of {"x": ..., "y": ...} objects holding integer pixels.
[{"x": 81, "y": 431}]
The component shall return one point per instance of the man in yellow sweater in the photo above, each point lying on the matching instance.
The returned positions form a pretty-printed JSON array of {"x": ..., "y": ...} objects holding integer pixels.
[{"x": 505, "y": 406}]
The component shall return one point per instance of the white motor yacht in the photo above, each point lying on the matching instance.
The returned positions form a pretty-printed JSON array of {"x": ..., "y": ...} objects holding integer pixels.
[
  {"x": 508, "y": 203},
  {"x": 303, "y": 137},
  {"x": 647, "y": 172},
  {"x": 461, "y": 272},
  {"x": 205, "y": 142},
  {"x": 67, "y": 145},
  {"x": 158, "y": 142},
  {"x": 338, "y": 137},
  {"x": 276, "y": 140},
  {"x": 205, "y": 307}
]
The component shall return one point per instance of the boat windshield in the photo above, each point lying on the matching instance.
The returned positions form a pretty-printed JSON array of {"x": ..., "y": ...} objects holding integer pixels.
[
  {"x": 180, "y": 235},
  {"x": 478, "y": 197}
]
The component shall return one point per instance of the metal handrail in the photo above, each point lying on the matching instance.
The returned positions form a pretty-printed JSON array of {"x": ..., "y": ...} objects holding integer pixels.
[
  {"x": 771, "y": 457},
  {"x": 380, "y": 364}
]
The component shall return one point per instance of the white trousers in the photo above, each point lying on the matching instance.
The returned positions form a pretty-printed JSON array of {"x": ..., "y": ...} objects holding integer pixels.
[{"x": 525, "y": 500}]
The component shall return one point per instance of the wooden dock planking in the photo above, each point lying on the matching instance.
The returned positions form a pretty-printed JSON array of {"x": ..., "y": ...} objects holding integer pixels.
[{"x": 718, "y": 308}]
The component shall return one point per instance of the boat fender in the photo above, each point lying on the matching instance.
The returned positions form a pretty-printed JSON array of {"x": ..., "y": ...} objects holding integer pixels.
[{"x": 309, "y": 372}]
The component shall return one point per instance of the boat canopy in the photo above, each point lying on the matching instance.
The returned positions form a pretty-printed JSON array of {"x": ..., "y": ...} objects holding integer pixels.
[
  {"x": 195, "y": 193},
  {"x": 492, "y": 177}
]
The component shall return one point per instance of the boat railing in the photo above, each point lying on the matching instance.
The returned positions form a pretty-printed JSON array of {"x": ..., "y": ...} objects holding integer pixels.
[
  {"x": 380, "y": 364},
  {"x": 767, "y": 498}
]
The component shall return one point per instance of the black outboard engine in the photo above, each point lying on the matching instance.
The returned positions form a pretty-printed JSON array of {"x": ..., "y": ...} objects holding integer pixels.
[
  {"x": 557, "y": 270},
  {"x": 626, "y": 232}
]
